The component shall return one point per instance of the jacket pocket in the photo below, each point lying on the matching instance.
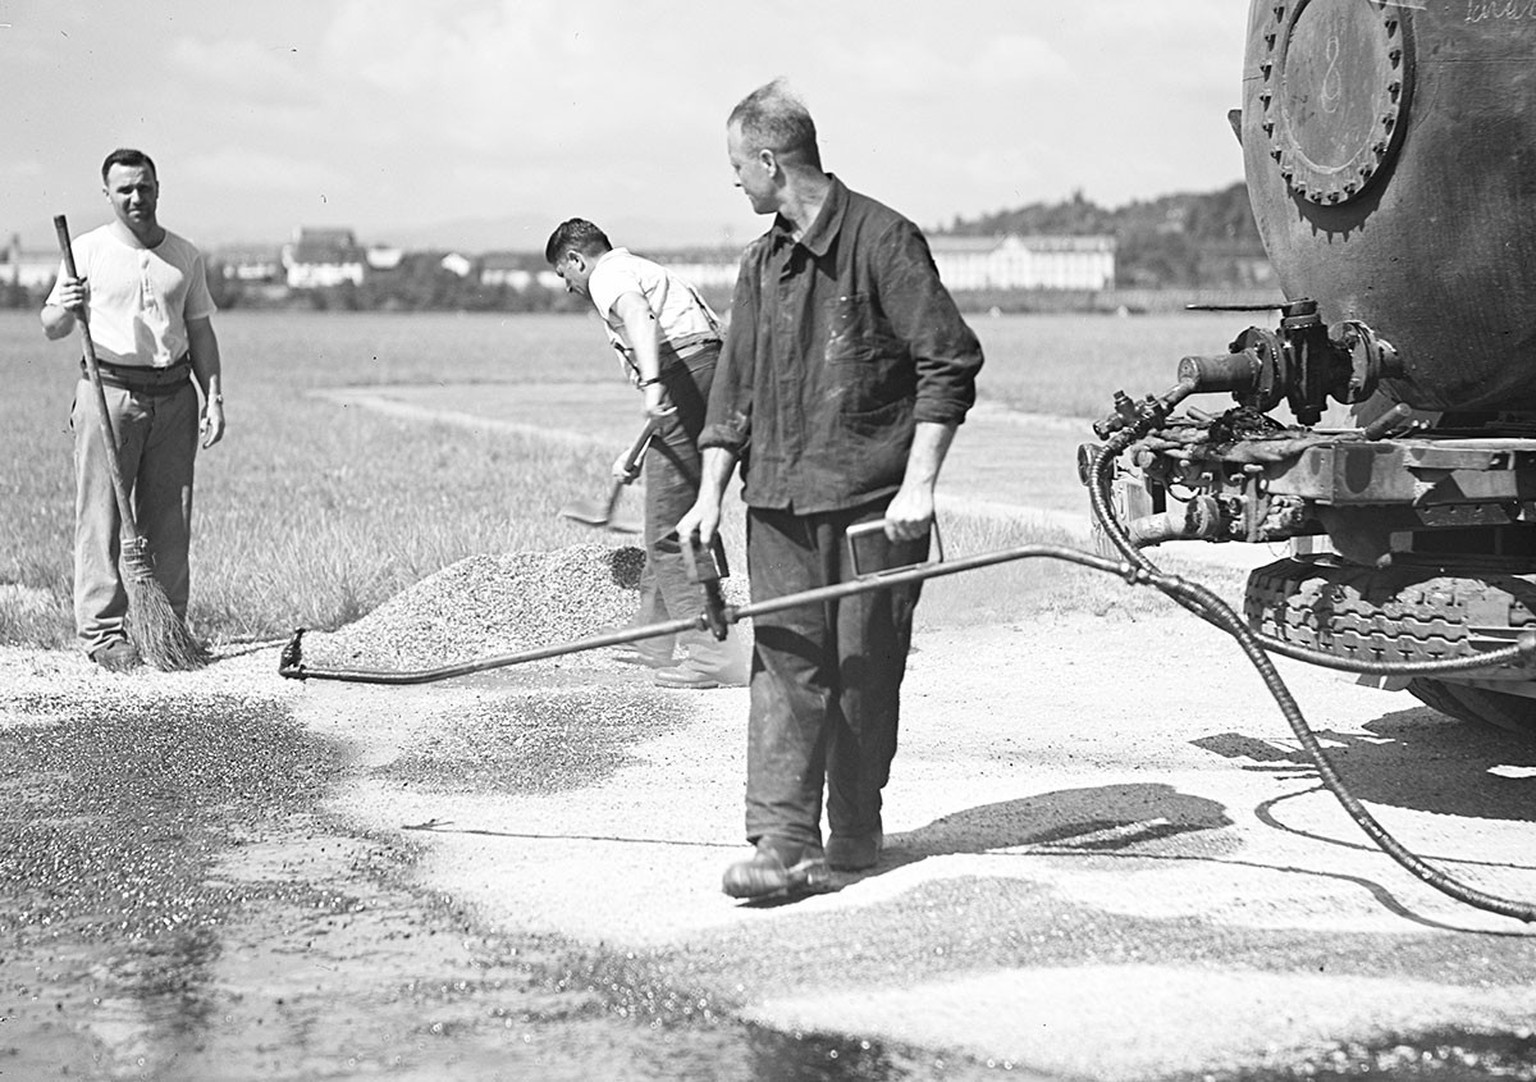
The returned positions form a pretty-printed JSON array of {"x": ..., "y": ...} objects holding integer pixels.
[{"x": 868, "y": 362}]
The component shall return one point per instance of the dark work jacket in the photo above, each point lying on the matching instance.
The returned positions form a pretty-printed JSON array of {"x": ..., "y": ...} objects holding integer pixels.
[{"x": 838, "y": 344}]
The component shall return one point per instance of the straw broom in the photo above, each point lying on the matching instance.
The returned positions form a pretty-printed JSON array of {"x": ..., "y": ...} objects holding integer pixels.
[{"x": 151, "y": 624}]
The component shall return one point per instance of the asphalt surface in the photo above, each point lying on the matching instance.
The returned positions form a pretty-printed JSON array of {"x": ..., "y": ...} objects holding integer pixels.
[
  {"x": 1108, "y": 858},
  {"x": 1108, "y": 855}
]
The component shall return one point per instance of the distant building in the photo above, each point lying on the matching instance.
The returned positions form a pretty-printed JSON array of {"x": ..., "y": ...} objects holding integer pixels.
[
  {"x": 318, "y": 258},
  {"x": 250, "y": 263},
  {"x": 381, "y": 258},
  {"x": 514, "y": 270},
  {"x": 1019, "y": 262},
  {"x": 999, "y": 262},
  {"x": 1240, "y": 264},
  {"x": 704, "y": 267},
  {"x": 456, "y": 264},
  {"x": 28, "y": 268}
]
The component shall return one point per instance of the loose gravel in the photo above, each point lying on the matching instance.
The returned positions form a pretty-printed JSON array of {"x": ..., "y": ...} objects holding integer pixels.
[{"x": 491, "y": 605}]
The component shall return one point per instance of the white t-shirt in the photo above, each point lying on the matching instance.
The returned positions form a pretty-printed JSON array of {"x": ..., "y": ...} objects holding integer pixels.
[
  {"x": 681, "y": 314},
  {"x": 140, "y": 298}
]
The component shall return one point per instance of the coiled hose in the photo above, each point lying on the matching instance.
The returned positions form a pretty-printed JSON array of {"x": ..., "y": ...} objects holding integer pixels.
[{"x": 1211, "y": 608}]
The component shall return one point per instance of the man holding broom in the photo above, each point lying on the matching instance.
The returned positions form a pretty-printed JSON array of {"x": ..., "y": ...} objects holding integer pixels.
[{"x": 143, "y": 293}]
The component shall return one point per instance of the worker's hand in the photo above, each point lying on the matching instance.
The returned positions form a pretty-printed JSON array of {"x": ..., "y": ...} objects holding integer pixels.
[
  {"x": 701, "y": 521},
  {"x": 73, "y": 295},
  {"x": 212, "y": 425},
  {"x": 910, "y": 513},
  {"x": 657, "y": 407},
  {"x": 621, "y": 471}
]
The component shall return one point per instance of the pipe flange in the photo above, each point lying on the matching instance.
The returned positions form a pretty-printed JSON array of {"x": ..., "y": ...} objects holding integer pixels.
[
  {"x": 1337, "y": 78},
  {"x": 1272, "y": 369}
]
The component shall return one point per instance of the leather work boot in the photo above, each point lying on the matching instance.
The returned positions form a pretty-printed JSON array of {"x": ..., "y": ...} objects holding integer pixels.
[
  {"x": 685, "y": 676},
  {"x": 854, "y": 852},
  {"x": 779, "y": 869},
  {"x": 646, "y": 654},
  {"x": 119, "y": 655},
  {"x": 689, "y": 675}
]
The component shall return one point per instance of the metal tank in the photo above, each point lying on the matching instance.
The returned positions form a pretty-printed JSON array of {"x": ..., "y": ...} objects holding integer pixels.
[{"x": 1390, "y": 153}]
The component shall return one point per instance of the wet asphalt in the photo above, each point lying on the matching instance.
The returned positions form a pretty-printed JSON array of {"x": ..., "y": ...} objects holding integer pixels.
[{"x": 174, "y": 905}]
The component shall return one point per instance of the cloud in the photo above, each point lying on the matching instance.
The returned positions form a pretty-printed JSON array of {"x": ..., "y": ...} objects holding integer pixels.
[
  {"x": 475, "y": 76},
  {"x": 398, "y": 111},
  {"x": 1012, "y": 58},
  {"x": 914, "y": 66},
  {"x": 24, "y": 170},
  {"x": 242, "y": 66},
  {"x": 246, "y": 170}
]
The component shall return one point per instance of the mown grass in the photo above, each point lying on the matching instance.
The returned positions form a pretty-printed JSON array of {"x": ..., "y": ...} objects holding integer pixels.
[
  {"x": 1071, "y": 365},
  {"x": 311, "y": 514}
]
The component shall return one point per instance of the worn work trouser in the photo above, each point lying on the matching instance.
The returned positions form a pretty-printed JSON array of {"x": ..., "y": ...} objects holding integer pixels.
[
  {"x": 826, "y": 678},
  {"x": 672, "y": 475},
  {"x": 156, "y": 449}
]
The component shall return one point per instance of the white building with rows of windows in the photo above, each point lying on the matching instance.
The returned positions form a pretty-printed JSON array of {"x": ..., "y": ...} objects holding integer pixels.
[
  {"x": 328, "y": 257},
  {"x": 1015, "y": 262}
]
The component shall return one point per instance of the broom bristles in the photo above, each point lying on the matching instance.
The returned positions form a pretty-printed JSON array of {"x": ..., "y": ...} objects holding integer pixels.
[{"x": 159, "y": 635}]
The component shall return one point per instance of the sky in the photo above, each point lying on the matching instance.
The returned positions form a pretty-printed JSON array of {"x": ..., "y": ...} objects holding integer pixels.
[{"x": 484, "y": 123}]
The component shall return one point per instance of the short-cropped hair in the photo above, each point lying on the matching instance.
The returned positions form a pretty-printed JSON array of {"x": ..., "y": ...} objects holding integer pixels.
[
  {"x": 576, "y": 235},
  {"x": 134, "y": 159},
  {"x": 772, "y": 118}
]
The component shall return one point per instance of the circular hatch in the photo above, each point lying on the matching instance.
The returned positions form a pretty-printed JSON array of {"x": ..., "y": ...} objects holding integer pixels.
[{"x": 1337, "y": 76}]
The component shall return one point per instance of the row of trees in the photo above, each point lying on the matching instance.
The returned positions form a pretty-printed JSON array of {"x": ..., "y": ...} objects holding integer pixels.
[
  {"x": 419, "y": 284},
  {"x": 1189, "y": 240},
  {"x": 1175, "y": 241}
]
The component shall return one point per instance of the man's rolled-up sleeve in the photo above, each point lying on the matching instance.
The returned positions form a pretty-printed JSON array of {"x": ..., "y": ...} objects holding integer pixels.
[{"x": 945, "y": 351}]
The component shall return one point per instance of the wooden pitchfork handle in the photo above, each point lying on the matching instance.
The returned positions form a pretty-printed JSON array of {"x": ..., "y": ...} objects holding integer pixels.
[
  {"x": 636, "y": 451},
  {"x": 93, "y": 371}
]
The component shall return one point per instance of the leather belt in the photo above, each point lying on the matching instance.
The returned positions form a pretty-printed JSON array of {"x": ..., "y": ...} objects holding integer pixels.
[{"x": 144, "y": 379}]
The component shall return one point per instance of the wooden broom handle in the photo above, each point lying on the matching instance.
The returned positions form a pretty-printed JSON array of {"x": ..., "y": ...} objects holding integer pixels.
[{"x": 93, "y": 371}]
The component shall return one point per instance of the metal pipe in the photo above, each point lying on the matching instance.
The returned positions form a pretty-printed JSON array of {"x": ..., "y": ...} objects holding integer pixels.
[{"x": 291, "y": 662}]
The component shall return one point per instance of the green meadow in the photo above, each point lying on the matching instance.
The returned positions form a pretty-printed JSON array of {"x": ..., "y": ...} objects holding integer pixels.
[{"x": 312, "y": 514}]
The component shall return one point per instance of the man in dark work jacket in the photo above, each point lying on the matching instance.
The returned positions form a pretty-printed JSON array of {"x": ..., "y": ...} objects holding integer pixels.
[{"x": 845, "y": 372}]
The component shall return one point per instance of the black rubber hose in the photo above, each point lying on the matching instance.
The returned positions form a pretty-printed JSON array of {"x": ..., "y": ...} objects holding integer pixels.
[
  {"x": 1099, "y": 499},
  {"x": 1213, "y": 609},
  {"x": 1222, "y": 616}
]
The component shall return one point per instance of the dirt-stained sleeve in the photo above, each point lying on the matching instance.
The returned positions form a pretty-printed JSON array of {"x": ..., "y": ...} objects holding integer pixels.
[
  {"x": 728, "y": 422},
  {"x": 945, "y": 351}
]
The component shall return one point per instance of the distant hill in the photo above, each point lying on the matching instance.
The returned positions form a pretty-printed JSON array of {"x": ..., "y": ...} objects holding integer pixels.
[{"x": 1185, "y": 239}]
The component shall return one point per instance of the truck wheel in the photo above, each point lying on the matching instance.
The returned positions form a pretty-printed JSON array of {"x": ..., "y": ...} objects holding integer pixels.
[
  {"x": 1515, "y": 713},
  {"x": 1400, "y": 613}
]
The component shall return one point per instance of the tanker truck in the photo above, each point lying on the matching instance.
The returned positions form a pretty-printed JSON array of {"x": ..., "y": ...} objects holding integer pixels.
[{"x": 1389, "y": 149}]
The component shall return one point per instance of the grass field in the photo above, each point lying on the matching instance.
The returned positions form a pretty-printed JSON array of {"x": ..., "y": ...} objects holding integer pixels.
[{"x": 312, "y": 514}]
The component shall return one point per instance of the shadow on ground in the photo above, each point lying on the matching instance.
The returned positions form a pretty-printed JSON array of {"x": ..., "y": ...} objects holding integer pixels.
[
  {"x": 1140, "y": 817},
  {"x": 1414, "y": 759}
]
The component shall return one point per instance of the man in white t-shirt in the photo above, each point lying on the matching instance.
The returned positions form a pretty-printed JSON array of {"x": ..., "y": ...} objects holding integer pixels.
[
  {"x": 144, "y": 293},
  {"x": 668, "y": 340}
]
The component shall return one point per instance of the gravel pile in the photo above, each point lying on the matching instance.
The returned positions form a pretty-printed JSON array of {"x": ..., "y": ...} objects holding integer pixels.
[
  {"x": 480, "y": 607},
  {"x": 490, "y": 605}
]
